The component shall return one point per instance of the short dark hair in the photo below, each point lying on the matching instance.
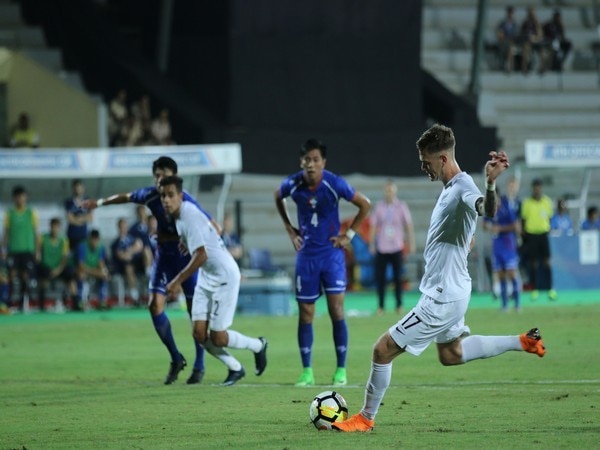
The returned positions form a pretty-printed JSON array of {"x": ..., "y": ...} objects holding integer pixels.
[
  {"x": 436, "y": 139},
  {"x": 94, "y": 234},
  {"x": 164, "y": 162},
  {"x": 76, "y": 181},
  {"x": 537, "y": 182},
  {"x": 18, "y": 190},
  {"x": 592, "y": 210},
  {"x": 172, "y": 180},
  {"x": 313, "y": 144},
  {"x": 54, "y": 221}
]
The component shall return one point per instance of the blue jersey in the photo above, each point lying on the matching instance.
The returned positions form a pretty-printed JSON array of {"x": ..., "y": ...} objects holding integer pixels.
[
  {"x": 140, "y": 231},
  {"x": 318, "y": 209},
  {"x": 122, "y": 243},
  {"x": 508, "y": 213},
  {"x": 73, "y": 206},
  {"x": 150, "y": 197}
]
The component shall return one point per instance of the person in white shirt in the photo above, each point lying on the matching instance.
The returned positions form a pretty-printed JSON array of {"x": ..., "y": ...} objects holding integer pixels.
[
  {"x": 446, "y": 284},
  {"x": 217, "y": 288}
]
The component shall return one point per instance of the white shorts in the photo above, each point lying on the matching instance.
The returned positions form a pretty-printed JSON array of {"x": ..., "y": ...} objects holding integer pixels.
[
  {"x": 430, "y": 320},
  {"x": 217, "y": 306}
]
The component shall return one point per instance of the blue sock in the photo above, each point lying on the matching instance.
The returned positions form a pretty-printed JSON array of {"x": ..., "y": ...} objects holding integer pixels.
[
  {"x": 102, "y": 291},
  {"x": 163, "y": 329},
  {"x": 515, "y": 284},
  {"x": 504, "y": 293},
  {"x": 340, "y": 339},
  {"x": 305, "y": 342},
  {"x": 199, "y": 361},
  {"x": 80, "y": 289}
]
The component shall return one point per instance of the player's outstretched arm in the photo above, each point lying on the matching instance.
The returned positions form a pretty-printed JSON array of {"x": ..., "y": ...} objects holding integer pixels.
[{"x": 115, "y": 199}]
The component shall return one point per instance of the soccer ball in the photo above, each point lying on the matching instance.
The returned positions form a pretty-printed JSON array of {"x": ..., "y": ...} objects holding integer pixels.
[{"x": 326, "y": 408}]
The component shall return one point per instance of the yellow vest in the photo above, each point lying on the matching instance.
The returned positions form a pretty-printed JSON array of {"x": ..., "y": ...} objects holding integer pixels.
[{"x": 537, "y": 214}]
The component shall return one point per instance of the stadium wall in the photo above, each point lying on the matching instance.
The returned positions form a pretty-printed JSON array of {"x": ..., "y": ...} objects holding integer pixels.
[{"x": 62, "y": 115}]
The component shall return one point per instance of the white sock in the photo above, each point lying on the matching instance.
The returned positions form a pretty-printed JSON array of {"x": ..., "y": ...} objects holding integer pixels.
[
  {"x": 240, "y": 341},
  {"x": 378, "y": 382},
  {"x": 479, "y": 347},
  {"x": 496, "y": 288},
  {"x": 222, "y": 355}
]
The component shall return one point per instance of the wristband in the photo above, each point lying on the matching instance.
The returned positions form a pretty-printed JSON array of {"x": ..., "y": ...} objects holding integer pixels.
[
  {"x": 350, "y": 233},
  {"x": 99, "y": 202},
  {"x": 491, "y": 186}
]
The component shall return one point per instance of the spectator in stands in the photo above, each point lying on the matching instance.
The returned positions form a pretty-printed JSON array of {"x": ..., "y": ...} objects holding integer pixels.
[
  {"x": 536, "y": 212},
  {"x": 118, "y": 114},
  {"x": 23, "y": 134},
  {"x": 78, "y": 217},
  {"x": 532, "y": 36},
  {"x": 392, "y": 239},
  {"x": 231, "y": 239},
  {"x": 592, "y": 220},
  {"x": 140, "y": 230},
  {"x": 127, "y": 257},
  {"x": 161, "y": 128},
  {"x": 21, "y": 241},
  {"x": 92, "y": 265},
  {"x": 561, "y": 222},
  {"x": 556, "y": 46},
  {"x": 54, "y": 264},
  {"x": 507, "y": 36},
  {"x": 141, "y": 109}
]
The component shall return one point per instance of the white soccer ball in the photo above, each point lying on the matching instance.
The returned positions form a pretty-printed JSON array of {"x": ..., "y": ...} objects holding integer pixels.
[{"x": 326, "y": 408}]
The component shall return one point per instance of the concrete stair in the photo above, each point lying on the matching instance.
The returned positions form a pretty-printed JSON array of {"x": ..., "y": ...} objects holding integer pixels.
[{"x": 552, "y": 105}]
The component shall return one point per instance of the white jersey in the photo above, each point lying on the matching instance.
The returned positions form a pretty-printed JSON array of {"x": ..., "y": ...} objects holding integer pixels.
[
  {"x": 196, "y": 231},
  {"x": 451, "y": 229}
]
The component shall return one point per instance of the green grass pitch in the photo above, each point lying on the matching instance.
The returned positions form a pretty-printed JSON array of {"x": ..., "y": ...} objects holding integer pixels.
[{"x": 94, "y": 380}]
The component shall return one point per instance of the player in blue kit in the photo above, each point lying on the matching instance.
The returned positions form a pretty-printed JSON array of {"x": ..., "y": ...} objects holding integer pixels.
[
  {"x": 505, "y": 257},
  {"x": 320, "y": 262},
  {"x": 168, "y": 262}
]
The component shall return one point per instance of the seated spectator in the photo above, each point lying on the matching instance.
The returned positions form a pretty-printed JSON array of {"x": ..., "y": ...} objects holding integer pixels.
[
  {"x": 161, "y": 128},
  {"x": 507, "y": 35},
  {"x": 141, "y": 109},
  {"x": 20, "y": 241},
  {"x": 592, "y": 219},
  {"x": 54, "y": 264},
  {"x": 117, "y": 116},
  {"x": 556, "y": 45},
  {"x": 231, "y": 239},
  {"x": 127, "y": 258},
  {"x": 92, "y": 265},
  {"x": 560, "y": 222},
  {"x": 140, "y": 230},
  {"x": 23, "y": 134},
  {"x": 531, "y": 36}
]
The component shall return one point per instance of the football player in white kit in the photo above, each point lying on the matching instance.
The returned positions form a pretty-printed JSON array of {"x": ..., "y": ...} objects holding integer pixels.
[
  {"x": 446, "y": 286},
  {"x": 218, "y": 285}
]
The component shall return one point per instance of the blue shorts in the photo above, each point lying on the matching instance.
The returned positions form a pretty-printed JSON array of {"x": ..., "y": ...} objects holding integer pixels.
[
  {"x": 505, "y": 259},
  {"x": 312, "y": 272},
  {"x": 165, "y": 267}
]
